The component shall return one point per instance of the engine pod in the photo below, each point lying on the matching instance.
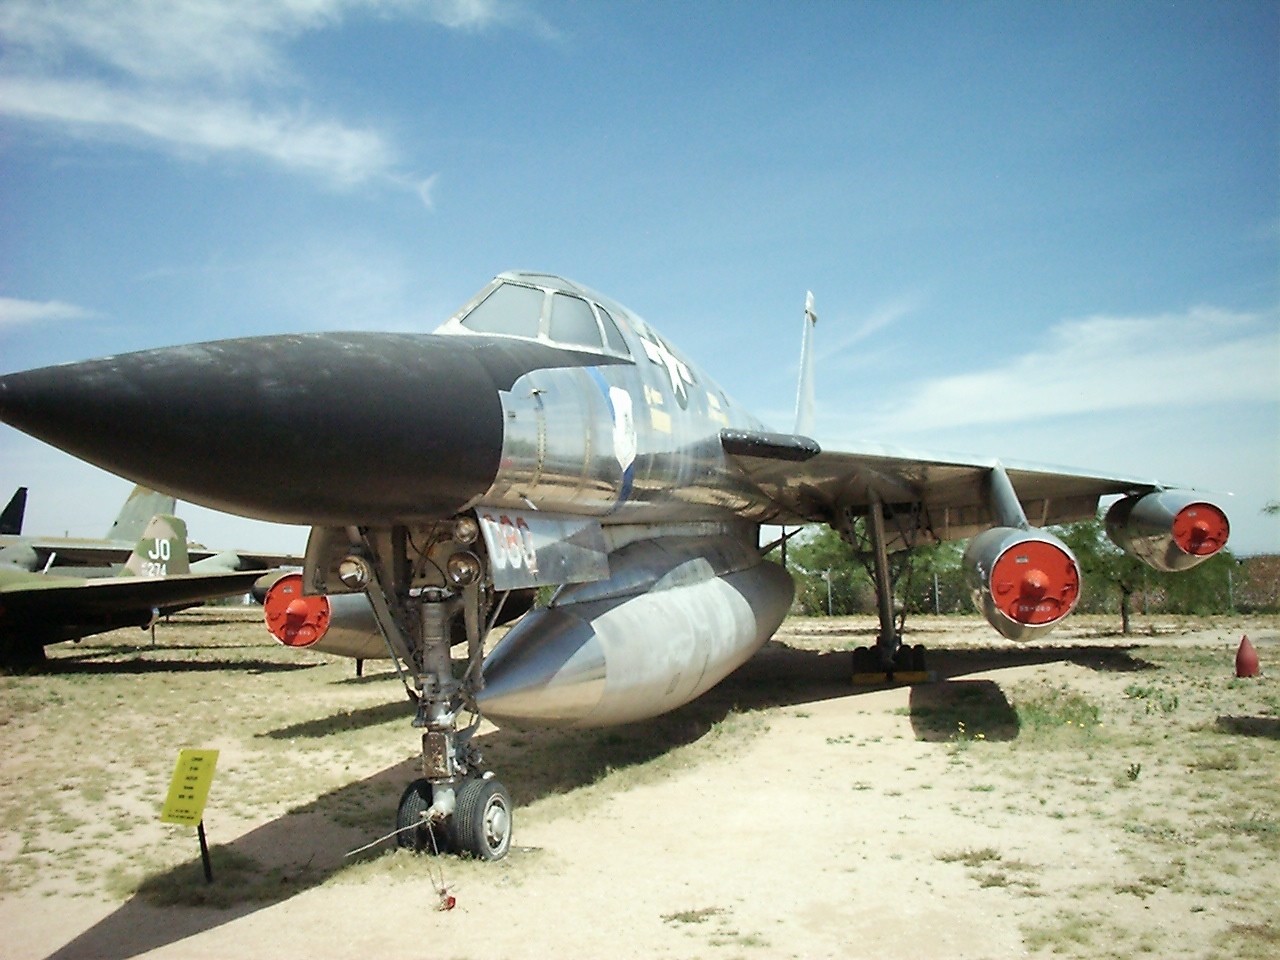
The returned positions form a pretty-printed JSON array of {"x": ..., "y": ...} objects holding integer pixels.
[
  {"x": 341, "y": 624},
  {"x": 1168, "y": 530},
  {"x": 676, "y": 616},
  {"x": 1023, "y": 581}
]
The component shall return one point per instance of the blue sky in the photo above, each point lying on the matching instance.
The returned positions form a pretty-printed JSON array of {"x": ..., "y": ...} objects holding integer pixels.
[{"x": 1045, "y": 232}]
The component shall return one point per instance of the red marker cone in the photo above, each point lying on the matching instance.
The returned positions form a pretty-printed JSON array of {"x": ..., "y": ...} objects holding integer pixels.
[{"x": 1247, "y": 659}]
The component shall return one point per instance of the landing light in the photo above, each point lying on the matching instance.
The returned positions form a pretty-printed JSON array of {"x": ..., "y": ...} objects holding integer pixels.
[
  {"x": 463, "y": 568},
  {"x": 355, "y": 572},
  {"x": 465, "y": 530}
]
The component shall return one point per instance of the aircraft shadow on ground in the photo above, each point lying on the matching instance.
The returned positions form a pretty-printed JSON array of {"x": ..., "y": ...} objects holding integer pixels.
[
  {"x": 150, "y": 919},
  {"x": 953, "y": 709},
  {"x": 348, "y": 720},
  {"x": 96, "y": 664},
  {"x": 1265, "y": 727},
  {"x": 305, "y": 847}
]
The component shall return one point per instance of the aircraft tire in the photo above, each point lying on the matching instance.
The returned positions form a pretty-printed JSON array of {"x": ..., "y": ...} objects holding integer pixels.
[
  {"x": 482, "y": 819},
  {"x": 416, "y": 800}
]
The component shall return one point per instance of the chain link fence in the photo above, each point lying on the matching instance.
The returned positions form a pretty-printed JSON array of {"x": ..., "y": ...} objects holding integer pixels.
[{"x": 1225, "y": 584}]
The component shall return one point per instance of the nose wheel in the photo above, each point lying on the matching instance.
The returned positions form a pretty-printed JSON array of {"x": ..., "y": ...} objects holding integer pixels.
[
  {"x": 482, "y": 819},
  {"x": 479, "y": 827},
  {"x": 414, "y": 830}
]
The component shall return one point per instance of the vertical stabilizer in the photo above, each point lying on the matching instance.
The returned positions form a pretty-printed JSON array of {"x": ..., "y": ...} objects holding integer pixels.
[
  {"x": 161, "y": 551},
  {"x": 138, "y": 509},
  {"x": 14, "y": 511},
  {"x": 804, "y": 392}
]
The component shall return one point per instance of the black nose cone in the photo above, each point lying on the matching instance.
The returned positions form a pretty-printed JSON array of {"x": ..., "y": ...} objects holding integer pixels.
[{"x": 335, "y": 428}]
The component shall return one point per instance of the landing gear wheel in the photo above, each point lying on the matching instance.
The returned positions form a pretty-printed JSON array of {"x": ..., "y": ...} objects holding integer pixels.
[
  {"x": 482, "y": 820},
  {"x": 424, "y": 837}
]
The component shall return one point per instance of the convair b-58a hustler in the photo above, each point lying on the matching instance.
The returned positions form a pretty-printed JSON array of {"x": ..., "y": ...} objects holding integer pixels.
[{"x": 548, "y": 436}]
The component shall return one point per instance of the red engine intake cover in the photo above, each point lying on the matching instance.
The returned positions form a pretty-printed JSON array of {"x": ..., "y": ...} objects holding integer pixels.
[
  {"x": 293, "y": 619},
  {"x": 1035, "y": 582},
  {"x": 1201, "y": 529}
]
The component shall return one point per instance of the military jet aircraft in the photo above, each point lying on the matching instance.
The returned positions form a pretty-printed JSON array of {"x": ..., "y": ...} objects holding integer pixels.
[
  {"x": 12, "y": 515},
  {"x": 548, "y": 436},
  {"x": 86, "y": 557},
  {"x": 37, "y": 609}
]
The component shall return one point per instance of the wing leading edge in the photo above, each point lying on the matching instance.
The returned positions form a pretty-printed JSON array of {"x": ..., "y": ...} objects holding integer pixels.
[{"x": 944, "y": 497}]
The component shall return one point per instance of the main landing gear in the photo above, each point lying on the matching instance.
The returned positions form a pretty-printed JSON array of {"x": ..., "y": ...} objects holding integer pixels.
[
  {"x": 890, "y": 660},
  {"x": 429, "y": 590}
]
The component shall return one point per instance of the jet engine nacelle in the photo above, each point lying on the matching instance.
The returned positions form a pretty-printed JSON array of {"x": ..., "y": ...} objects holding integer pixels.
[
  {"x": 674, "y": 618},
  {"x": 1167, "y": 530},
  {"x": 341, "y": 624},
  {"x": 1023, "y": 581}
]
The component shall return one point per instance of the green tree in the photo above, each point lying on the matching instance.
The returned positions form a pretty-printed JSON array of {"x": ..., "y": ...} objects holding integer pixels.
[
  {"x": 1207, "y": 588},
  {"x": 933, "y": 579},
  {"x": 829, "y": 577},
  {"x": 1108, "y": 572},
  {"x": 1105, "y": 569}
]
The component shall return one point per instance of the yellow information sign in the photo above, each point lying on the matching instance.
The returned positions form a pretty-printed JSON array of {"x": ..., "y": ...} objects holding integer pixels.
[{"x": 189, "y": 788}]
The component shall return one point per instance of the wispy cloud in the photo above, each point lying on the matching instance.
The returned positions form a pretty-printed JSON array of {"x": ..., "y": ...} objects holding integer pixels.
[
  {"x": 883, "y": 316},
  {"x": 16, "y": 313},
  {"x": 187, "y": 75},
  {"x": 342, "y": 154},
  {"x": 1101, "y": 364}
]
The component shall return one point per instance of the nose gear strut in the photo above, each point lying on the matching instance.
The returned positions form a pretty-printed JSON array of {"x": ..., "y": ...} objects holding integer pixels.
[{"x": 456, "y": 806}]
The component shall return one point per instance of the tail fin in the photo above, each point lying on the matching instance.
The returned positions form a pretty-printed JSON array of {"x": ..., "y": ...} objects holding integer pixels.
[
  {"x": 141, "y": 505},
  {"x": 11, "y": 517},
  {"x": 804, "y": 392},
  {"x": 161, "y": 551}
]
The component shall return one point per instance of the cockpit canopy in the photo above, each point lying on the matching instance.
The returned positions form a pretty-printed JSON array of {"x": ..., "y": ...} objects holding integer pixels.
[{"x": 541, "y": 307}]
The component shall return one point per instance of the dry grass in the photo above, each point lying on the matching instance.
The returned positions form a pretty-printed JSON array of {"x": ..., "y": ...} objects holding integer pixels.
[{"x": 1150, "y": 747}]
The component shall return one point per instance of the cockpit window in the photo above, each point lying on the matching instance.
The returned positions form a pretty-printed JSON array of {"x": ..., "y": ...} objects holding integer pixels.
[
  {"x": 573, "y": 322},
  {"x": 612, "y": 335},
  {"x": 516, "y": 309},
  {"x": 510, "y": 309}
]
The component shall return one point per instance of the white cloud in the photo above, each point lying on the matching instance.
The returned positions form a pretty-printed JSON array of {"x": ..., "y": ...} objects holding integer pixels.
[
  {"x": 426, "y": 190},
  {"x": 213, "y": 76},
  {"x": 20, "y": 313},
  {"x": 883, "y": 316},
  {"x": 159, "y": 41},
  {"x": 342, "y": 154},
  {"x": 234, "y": 41},
  {"x": 1101, "y": 364}
]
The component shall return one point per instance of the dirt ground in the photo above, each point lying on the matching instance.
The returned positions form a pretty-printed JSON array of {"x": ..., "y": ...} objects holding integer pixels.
[{"x": 1092, "y": 795}]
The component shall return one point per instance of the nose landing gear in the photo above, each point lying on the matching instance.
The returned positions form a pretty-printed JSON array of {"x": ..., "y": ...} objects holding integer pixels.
[
  {"x": 420, "y": 597},
  {"x": 479, "y": 827}
]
